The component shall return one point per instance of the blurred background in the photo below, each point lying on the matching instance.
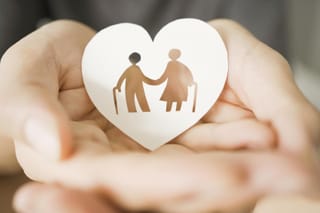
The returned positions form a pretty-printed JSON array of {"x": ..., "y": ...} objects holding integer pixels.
[
  {"x": 304, "y": 46},
  {"x": 290, "y": 26}
]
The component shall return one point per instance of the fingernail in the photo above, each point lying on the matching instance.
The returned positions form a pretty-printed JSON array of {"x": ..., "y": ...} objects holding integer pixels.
[{"x": 43, "y": 135}]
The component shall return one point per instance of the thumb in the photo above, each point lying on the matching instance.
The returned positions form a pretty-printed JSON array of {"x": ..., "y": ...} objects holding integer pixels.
[
  {"x": 40, "y": 122},
  {"x": 29, "y": 106}
]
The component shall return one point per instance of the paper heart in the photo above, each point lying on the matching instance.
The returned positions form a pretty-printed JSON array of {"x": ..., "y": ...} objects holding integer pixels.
[{"x": 185, "y": 65}]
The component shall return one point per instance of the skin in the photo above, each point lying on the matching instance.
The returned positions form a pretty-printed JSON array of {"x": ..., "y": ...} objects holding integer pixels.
[{"x": 260, "y": 108}]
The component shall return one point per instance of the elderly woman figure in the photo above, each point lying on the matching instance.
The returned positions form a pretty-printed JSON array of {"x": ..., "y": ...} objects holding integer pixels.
[{"x": 179, "y": 78}]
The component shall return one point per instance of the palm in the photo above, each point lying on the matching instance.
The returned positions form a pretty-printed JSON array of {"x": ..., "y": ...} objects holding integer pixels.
[
  {"x": 228, "y": 114},
  {"x": 87, "y": 120},
  {"x": 89, "y": 123}
]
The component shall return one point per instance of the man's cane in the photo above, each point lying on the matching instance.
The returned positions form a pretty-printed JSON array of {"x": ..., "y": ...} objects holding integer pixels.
[
  {"x": 115, "y": 99},
  {"x": 195, "y": 96}
]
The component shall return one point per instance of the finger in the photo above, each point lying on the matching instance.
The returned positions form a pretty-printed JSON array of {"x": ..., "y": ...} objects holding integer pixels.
[
  {"x": 263, "y": 80},
  {"x": 176, "y": 183},
  {"x": 39, "y": 198},
  {"x": 226, "y": 112},
  {"x": 247, "y": 133},
  {"x": 209, "y": 183},
  {"x": 30, "y": 84},
  {"x": 91, "y": 142},
  {"x": 200, "y": 184}
]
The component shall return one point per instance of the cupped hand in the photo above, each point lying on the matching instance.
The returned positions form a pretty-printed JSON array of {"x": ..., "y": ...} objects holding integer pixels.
[
  {"x": 164, "y": 181},
  {"x": 260, "y": 106},
  {"x": 43, "y": 100}
]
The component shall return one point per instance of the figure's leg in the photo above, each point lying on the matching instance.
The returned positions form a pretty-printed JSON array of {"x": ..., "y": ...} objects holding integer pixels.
[
  {"x": 179, "y": 104},
  {"x": 142, "y": 100},
  {"x": 169, "y": 106},
  {"x": 130, "y": 101}
]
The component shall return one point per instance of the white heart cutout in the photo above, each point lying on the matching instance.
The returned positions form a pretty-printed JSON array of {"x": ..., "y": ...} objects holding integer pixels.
[{"x": 106, "y": 58}]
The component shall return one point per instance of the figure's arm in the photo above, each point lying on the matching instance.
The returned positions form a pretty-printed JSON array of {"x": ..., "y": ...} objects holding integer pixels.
[
  {"x": 159, "y": 80},
  {"x": 120, "y": 81},
  {"x": 189, "y": 76},
  {"x": 150, "y": 81}
]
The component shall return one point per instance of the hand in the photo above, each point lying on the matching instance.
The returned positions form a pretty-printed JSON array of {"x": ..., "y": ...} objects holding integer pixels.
[
  {"x": 117, "y": 88},
  {"x": 37, "y": 198},
  {"x": 170, "y": 180},
  {"x": 42, "y": 96},
  {"x": 41, "y": 89},
  {"x": 183, "y": 177},
  {"x": 260, "y": 106}
]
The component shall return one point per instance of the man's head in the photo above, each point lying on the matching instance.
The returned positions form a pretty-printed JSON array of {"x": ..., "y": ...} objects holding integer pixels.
[{"x": 134, "y": 58}]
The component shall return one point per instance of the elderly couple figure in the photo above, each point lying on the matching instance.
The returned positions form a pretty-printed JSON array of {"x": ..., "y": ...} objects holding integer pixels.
[{"x": 177, "y": 75}]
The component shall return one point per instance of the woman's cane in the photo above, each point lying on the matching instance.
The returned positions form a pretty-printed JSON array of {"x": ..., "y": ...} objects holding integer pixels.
[{"x": 195, "y": 96}]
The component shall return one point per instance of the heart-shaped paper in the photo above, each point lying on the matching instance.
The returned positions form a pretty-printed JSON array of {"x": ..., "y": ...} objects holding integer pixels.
[{"x": 155, "y": 90}]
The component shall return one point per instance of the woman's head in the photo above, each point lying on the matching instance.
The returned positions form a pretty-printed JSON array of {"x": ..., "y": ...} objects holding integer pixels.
[{"x": 174, "y": 54}]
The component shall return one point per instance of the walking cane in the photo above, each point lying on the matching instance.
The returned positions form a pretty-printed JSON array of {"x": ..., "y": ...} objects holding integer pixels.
[
  {"x": 115, "y": 99},
  {"x": 195, "y": 96}
]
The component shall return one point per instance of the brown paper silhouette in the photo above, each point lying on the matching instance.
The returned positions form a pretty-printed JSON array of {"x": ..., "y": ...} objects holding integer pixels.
[
  {"x": 134, "y": 78},
  {"x": 179, "y": 78}
]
